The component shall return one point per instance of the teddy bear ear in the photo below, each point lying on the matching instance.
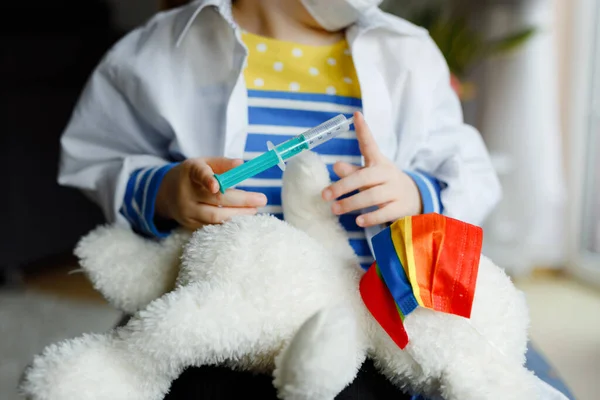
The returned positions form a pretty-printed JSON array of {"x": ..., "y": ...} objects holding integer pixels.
[
  {"x": 304, "y": 208},
  {"x": 304, "y": 179},
  {"x": 306, "y": 172}
]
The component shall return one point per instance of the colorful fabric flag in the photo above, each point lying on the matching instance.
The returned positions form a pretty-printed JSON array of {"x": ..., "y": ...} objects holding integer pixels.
[{"x": 426, "y": 260}]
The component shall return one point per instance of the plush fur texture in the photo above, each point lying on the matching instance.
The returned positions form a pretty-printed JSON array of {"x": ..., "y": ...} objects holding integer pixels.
[{"x": 279, "y": 297}]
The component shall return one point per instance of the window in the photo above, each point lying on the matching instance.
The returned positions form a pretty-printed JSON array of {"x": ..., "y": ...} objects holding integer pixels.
[
  {"x": 591, "y": 187},
  {"x": 584, "y": 142}
]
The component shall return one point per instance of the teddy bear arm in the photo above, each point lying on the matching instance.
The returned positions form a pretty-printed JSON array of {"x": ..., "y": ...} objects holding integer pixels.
[{"x": 130, "y": 271}]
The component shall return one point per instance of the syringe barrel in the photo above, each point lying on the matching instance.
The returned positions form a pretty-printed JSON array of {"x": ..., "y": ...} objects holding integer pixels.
[
  {"x": 284, "y": 151},
  {"x": 327, "y": 130}
]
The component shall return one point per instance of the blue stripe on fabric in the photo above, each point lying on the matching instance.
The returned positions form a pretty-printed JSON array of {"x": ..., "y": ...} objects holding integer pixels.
[
  {"x": 150, "y": 200},
  {"x": 288, "y": 117},
  {"x": 431, "y": 199},
  {"x": 276, "y": 173},
  {"x": 140, "y": 197},
  {"x": 313, "y": 97},
  {"x": 361, "y": 247},
  {"x": 437, "y": 189},
  {"x": 392, "y": 272},
  {"x": 426, "y": 198},
  {"x": 127, "y": 209},
  {"x": 348, "y": 221},
  {"x": 256, "y": 142},
  {"x": 271, "y": 173},
  {"x": 142, "y": 218}
]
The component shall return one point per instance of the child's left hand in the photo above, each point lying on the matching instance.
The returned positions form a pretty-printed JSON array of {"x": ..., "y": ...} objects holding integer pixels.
[{"x": 380, "y": 183}]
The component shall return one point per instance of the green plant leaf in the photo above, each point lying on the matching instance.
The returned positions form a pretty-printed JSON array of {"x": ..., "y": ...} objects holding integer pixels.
[
  {"x": 462, "y": 46},
  {"x": 511, "y": 42}
]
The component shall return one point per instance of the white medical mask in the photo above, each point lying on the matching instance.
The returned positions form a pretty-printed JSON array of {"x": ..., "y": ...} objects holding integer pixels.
[{"x": 334, "y": 15}]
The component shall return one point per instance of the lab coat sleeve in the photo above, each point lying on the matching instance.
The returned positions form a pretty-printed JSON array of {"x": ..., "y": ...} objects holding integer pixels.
[
  {"x": 140, "y": 201},
  {"x": 453, "y": 152},
  {"x": 108, "y": 138}
]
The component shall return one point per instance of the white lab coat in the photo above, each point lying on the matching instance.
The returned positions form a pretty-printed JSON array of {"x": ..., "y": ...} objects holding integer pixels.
[{"x": 174, "y": 89}]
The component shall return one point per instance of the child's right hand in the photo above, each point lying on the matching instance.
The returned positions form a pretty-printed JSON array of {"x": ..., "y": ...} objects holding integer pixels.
[{"x": 189, "y": 194}]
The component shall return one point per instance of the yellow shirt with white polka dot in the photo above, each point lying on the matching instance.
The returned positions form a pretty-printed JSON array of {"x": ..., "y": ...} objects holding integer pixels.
[{"x": 275, "y": 65}]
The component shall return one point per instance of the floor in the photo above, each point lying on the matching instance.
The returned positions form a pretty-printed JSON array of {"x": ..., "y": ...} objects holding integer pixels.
[
  {"x": 49, "y": 308},
  {"x": 565, "y": 321},
  {"x": 565, "y": 325}
]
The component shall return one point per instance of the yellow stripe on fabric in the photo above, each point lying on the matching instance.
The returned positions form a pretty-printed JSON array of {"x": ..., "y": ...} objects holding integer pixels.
[
  {"x": 405, "y": 227},
  {"x": 398, "y": 241}
]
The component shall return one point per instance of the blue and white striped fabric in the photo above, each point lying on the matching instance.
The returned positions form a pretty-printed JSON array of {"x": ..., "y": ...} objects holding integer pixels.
[
  {"x": 140, "y": 198},
  {"x": 277, "y": 117}
]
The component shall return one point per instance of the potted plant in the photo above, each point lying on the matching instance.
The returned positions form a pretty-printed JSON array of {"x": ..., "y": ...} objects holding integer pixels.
[{"x": 463, "y": 46}]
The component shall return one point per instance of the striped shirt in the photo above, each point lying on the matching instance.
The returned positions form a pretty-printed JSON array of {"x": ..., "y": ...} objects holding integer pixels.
[
  {"x": 279, "y": 116},
  {"x": 291, "y": 88}
]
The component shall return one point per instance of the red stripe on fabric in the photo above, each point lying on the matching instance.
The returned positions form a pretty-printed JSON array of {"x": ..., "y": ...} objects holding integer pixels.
[
  {"x": 382, "y": 306},
  {"x": 455, "y": 277},
  {"x": 427, "y": 236}
]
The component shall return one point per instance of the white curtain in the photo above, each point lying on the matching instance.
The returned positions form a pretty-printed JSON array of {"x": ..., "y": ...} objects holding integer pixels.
[
  {"x": 595, "y": 203},
  {"x": 520, "y": 121}
]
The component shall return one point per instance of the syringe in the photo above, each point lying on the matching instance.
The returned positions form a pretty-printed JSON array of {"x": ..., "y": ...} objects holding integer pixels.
[{"x": 277, "y": 155}]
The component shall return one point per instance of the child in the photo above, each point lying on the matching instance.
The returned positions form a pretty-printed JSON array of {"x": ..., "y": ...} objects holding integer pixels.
[{"x": 203, "y": 87}]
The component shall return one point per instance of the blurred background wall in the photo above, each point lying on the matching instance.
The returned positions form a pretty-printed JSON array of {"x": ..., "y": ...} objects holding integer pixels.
[
  {"x": 519, "y": 105},
  {"x": 131, "y": 13}
]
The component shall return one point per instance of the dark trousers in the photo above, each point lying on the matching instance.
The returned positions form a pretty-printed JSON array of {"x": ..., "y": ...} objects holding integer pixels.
[{"x": 221, "y": 383}]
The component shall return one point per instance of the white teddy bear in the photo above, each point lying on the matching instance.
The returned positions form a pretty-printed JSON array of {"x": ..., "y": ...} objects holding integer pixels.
[{"x": 277, "y": 297}]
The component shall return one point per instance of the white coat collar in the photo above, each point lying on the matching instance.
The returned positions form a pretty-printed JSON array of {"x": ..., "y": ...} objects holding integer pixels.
[{"x": 376, "y": 19}]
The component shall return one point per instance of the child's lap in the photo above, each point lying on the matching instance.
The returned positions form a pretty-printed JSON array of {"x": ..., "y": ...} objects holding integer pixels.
[{"x": 222, "y": 383}]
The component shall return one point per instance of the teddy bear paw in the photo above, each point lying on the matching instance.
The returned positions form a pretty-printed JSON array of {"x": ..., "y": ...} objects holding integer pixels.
[{"x": 87, "y": 368}]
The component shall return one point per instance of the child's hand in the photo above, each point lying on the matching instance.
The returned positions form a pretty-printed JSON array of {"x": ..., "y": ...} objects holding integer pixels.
[
  {"x": 189, "y": 194},
  {"x": 380, "y": 183}
]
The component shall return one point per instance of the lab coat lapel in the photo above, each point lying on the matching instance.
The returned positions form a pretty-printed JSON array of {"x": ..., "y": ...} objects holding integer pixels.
[
  {"x": 377, "y": 105},
  {"x": 376, "y": 102}
]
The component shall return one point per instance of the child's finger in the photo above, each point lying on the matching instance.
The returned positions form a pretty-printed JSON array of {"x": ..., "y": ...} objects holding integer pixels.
[
  {"x": 362, "y": 178},
  {"x": 236, "y": 198},
  {"x": 374, "y": 196},
  {"x": 343, "y": 169},
  {"x": 220, "y": 165},
  {"x": 207, "y": 214},
  {"x": 368, "y": 146},
  {"x": 388, "y": 213}
]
